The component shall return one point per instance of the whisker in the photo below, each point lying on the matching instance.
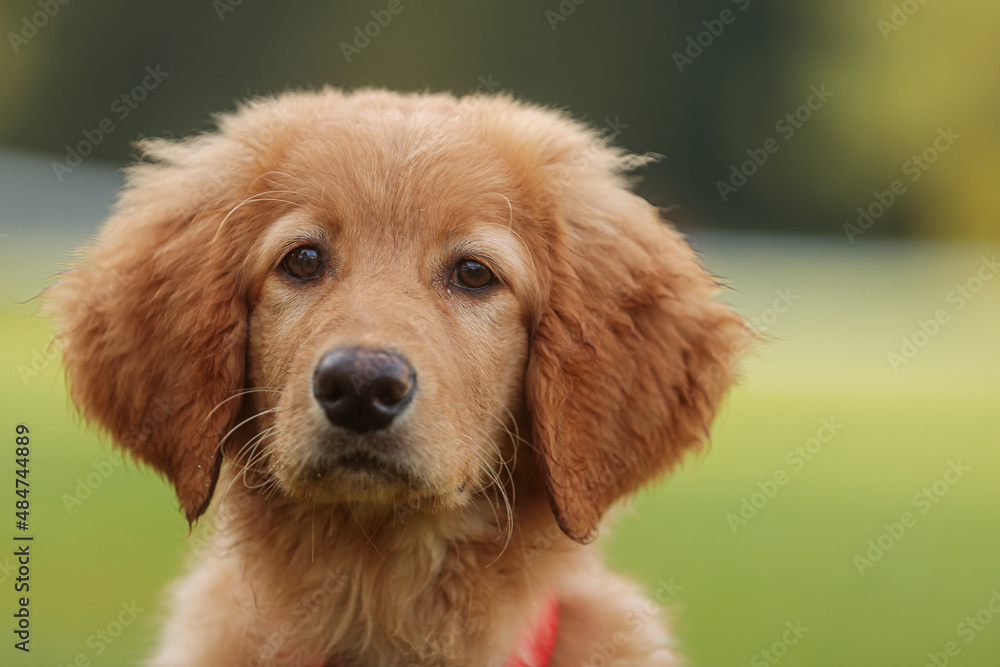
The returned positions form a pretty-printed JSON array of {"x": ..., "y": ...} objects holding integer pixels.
[
  {"x": 251, "y": 417},
  {"x": 249, "y": 445},
  {"x": 489, "y": 474},
  {"x": 510, "y": 227},
  {"x": 239, "y": 394},
  {"x": 498, "y": 486},
  {"x": 253, "y": 458},
  {"x": 282, "y": 173},
  {"x": 370, "y": 542},
  {"x": 253, "y": 199},
  {"x": 508, "y": 466}
]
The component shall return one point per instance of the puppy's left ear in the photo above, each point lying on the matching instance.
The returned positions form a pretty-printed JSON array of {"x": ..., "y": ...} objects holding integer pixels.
[{"x": 631, "y": 357}]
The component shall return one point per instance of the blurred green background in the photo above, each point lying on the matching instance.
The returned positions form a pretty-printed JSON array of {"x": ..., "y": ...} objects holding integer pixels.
[{"x": 706, "y": 85}]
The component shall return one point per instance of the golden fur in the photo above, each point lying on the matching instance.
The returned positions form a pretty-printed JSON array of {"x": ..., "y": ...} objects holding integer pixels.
[{"x": 590, "y": 368}]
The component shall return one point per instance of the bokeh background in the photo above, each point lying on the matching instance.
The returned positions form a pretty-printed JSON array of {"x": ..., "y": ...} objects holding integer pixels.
[{"x": 837, "y": 164}]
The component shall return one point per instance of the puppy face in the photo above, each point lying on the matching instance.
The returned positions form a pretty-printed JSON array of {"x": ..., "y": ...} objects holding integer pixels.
[
  {"x": 391, "y": 330},
  {"x": 359, "y": 298}
]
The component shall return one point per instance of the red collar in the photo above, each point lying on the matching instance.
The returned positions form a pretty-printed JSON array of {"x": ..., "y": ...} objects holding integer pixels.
[{"x": 535, "y": 647}]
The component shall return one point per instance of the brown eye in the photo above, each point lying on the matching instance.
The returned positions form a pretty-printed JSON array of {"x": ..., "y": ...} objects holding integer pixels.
[
  {"x": 472, "y": 274},
  {"x": 303, "y": 263}
]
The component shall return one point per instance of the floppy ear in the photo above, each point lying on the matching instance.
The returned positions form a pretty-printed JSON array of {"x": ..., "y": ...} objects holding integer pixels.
[
  {"x": 632, "y": 355},
  {"x": 153, "y": 320}
]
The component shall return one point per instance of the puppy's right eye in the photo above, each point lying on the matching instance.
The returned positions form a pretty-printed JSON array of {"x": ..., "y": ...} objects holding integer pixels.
[{"x": 303, "y": 263}]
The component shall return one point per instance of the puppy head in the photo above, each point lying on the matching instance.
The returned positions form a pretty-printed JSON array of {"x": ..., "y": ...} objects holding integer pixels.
[
  {"x": 390, "y": 327},
  {"x": 365, "y": 296}
]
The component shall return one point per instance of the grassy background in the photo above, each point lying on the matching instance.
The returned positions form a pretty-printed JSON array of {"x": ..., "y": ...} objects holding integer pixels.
[{"x": 792, "y": 562}]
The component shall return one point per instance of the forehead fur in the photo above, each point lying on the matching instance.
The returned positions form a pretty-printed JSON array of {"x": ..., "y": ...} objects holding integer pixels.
[{"x": 381, "y": 150}]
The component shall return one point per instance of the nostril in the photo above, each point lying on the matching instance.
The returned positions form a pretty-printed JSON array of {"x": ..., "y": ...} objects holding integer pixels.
[
  {"x": 385, "y": 396},
  {"x": 328, "y": 388},
  {"x": 363, "y": 390},
  {"x": 332, "y": 381},
  {"x": 389, "y": 391}
]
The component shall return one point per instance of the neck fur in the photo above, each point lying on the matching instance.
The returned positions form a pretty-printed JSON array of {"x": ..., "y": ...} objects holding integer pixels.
[{"x": 444, "y": 588}]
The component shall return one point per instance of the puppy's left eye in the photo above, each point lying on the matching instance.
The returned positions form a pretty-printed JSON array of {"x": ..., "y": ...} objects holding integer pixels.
[
  {"x": 303, "y": 262},
  {"x": 471, "y": 274}
]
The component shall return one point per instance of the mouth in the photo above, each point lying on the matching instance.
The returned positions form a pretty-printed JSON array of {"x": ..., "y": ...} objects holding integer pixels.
[
  {"x": 369, "y": 472},
  {"x": 362, "y": 466},
  {"x": 367, "y": 462}
]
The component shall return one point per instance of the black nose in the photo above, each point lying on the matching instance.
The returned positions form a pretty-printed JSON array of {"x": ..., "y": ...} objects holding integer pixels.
[{"x": 363, "y": 390}]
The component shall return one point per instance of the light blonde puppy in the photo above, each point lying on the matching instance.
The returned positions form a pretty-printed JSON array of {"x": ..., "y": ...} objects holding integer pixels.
[{"x": 416, "y": 345}]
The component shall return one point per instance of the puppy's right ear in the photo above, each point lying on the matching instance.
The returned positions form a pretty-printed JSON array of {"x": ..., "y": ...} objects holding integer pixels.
[{"x": 152, "y": 319}]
